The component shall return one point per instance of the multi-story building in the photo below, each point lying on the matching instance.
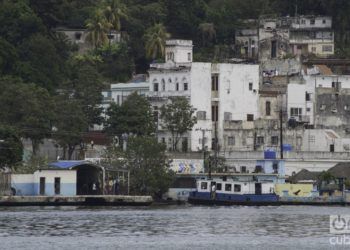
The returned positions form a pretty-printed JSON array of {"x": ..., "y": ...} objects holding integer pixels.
[
  {"x": 218, "y": 92},
  {"x": 285, "y": 37}
]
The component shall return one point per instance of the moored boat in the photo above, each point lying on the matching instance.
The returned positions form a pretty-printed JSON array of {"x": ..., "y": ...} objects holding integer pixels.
[{"x": 230, "y": 192}]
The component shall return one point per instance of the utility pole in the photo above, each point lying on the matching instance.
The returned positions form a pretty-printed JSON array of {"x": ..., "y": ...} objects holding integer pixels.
[
  {"x": 281, "y": 133},
  {"x": 203, "y": 144}
]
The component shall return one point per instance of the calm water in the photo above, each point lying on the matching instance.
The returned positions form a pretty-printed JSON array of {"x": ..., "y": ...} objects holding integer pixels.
[{"x": 174, "y": 227}]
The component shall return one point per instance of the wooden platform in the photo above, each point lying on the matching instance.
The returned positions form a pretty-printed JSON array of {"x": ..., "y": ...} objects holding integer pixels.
[{"x": 79, "y": 200}]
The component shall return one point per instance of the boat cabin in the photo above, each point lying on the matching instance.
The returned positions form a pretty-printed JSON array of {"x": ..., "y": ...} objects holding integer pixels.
[{"x": 235, "y": 187}]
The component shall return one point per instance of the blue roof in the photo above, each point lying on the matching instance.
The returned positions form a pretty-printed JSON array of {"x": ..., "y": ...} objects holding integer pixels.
[{"x": 67, "y": 164}]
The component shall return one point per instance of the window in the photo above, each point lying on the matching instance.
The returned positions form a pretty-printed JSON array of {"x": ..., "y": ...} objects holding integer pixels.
[
  {"x": 308, "y": 109},
  {"x": 218, "y": 186},
  {"x": 189, "y": 57},
  {"x": 243, "y": 169},
  {"x": 268, "y": 108},
  {"x": 215, "y": 82},
  {"x": 260, "y": 140},
  {"x": 204, "y": 185},
  {"x": 324, "y": 21},
  {"x": 237, "y": 188},
  {"x": 177, "y": 86},
  {"x": 303, "y": 21},
  {"x": 78, "y": 36},
  {"x": 274, "y": 140},
  {"x": 295, "y": 111},
  {"x": 231, "y": 140},
  {"x": 327, "y": 48},
  {"x": 313, "y": 49},
  {"x": 250, "y": 117},
  {"x": 57, "y": 185},
  {"x": 307, "y": 96},
  {"x": 201, "y": 115},
  {"x": 214, "y": 113},
  {"x": 185, "y": 86},
  {"x": 312, "y": 22},
  {"x": 163, "y": 85},
  {"x": 163, "y": 140},
  {"x": 228, "y": 187},
  {"x": 312, "y": 139},
  {"x": 227, "y": 116},
  {"x": 250, "y": 86},
  {"x": 155, "y": 87},
  {"x": 275, "y": 168}
]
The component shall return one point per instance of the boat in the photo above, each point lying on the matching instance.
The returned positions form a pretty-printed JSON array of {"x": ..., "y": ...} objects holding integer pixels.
[{"x": 232, "y": 192}]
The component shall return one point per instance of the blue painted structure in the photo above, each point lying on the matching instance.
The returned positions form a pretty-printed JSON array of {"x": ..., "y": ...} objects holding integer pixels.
[
  {"x": 271, "y": 166},
  {"x": 69, "y": 182}
]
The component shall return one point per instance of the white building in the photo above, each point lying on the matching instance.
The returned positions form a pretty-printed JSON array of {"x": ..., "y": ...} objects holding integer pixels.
[
  {"x": 303, "y": 103},
  {"x": 218, "y": 92}
]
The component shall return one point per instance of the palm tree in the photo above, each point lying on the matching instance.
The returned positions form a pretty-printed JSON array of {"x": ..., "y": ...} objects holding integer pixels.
[
  {"x": 155, "y": 38},
  {"x": 114, "y": 12},
  {"x": 98, "y": 28},
  {"x": 208, "y": 32}
]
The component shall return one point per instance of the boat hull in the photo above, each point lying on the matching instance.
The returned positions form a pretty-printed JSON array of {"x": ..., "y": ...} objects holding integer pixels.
[{"x": 204, "y": 198}]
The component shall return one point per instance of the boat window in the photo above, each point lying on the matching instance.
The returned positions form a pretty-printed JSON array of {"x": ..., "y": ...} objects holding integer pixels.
[
  {"x": 228, "y": 187},
  {"x": 204, "y": 185},
  {"x": 218, "y": 186},
  {"x": 237, "y": 188}
]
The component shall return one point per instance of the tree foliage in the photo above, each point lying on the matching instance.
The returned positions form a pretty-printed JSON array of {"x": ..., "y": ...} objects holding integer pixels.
[
  {"x": 11, "y": 148},
  {"x": 155, "y": 38},
  {"x": 147, "y": 162},
  {"x": 177, "y": 117},
  {"x": 133, "y": 116},
  {"x": 33, "y": 110}
]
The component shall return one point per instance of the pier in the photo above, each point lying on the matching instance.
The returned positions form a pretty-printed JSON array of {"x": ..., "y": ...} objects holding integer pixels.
[{"x": 79, "y": 200}]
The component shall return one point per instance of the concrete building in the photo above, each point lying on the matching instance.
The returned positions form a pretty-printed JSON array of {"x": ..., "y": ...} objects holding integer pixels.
[
  {"x": 78, "y": 37},
  {"x": 320, "y": 100},
  {"x": 312, "y": 34},
  {"x": 285, "y": 37},
  {"x": 64, "y": 178},
  {"x": 218, "y": 92},
  {"x": 45, "y": 182}
]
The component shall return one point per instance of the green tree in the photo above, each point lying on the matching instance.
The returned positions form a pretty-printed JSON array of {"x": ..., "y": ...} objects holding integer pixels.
[
  {"x": 177, "y": 117},
  {"x": 155, "y": 38},
  {"x": 133, "y": 116},
  {"x": 33, "y": 113},
  {"x": 117, "y": 63},
  {"x": 147, "y": 162},
  {"x": 84, "y": 84},
  {"x": 11, "y": 148},
  {"x": 40, "y": 62},
  {"x": 70, "y": 124},
  {"x": 114, "y": 11},
  {"x": 98, "y": 28},
  {"x": 208, "y": 33}
]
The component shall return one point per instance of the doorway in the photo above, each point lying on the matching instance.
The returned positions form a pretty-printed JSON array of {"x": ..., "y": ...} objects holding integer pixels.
[
  {"x": 57, "y": 185},
  {"x": 42, "y": 186},
  {"x": 258, "y": 188}
]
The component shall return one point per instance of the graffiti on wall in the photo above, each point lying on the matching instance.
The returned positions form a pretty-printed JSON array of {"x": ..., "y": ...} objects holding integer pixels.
[{"x": 186, "y": 166}]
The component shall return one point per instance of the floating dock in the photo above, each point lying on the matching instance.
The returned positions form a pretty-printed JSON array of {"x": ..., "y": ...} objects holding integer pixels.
[{"x": 79, "y": 200}]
